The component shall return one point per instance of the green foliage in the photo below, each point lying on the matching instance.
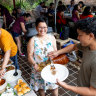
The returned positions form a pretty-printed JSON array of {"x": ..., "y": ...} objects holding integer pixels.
[{"x": 24, "y": 4}]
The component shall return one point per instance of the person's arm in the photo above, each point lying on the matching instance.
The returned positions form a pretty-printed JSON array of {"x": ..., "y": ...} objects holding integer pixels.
[
  {"x": 77, "y": 13},
  {"x": 30, "y": 51},
  {"x": 85, "y": 91},
  {"x": 23, "y": 27},
  {"x": 54, "y": 43},
  {"x": 62, "y": 51},
  {"x": 5, "y": 62}
]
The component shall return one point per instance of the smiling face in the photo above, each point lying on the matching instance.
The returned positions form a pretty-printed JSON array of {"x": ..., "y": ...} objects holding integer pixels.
[
  {"x": 42, "y": 28},
  {"x": 85, "y": 39}
]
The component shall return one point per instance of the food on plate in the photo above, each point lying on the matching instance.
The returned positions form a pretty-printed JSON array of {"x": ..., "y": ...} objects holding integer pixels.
[
  {"x": 61, "y": 59},
  {"x": 43, "y": 64},
  {"x": 1, "y": 56},
  {"x": 16, "y": 87},
  {"x": 24, "y": 90},
  {"x": 10, "y": 62},
  {"x": 20, "y": 81},
  {"x": 8, "y": 68},
  {"x": 21, "y": 87},
  {"x": 20, "y": 93},
  {"x": 53, "y": 69},
  {"x": 2, "y": 81}
]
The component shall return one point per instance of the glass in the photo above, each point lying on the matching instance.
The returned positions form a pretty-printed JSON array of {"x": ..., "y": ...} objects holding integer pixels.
[{"x": 40, "y": 28}]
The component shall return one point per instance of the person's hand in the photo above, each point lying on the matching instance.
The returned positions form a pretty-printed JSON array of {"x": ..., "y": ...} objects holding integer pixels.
[
  {"x": 63, "y": 84},
  {"x": 53, "y": 54},
  {"x": 36, "y": 67},
  {"x": 2, "y": 72}
]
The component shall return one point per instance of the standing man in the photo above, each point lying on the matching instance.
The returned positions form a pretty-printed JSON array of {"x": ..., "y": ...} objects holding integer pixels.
[
  {"x": 86, "y": 30},
  {"x": 9, "y": 48}
]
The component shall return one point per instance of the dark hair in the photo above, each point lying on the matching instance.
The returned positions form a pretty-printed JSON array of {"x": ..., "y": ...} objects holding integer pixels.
[
  {"x": 60, "y": 2},
  {"x": 60, "y": 8},
  {"x": 51, "y": 4},
  {"x": 87, "y": 25},
  {"x": 81, "y": 2},
  {"x": 38, "y": 20},
  {"x": 75, "y": 7},
  {"x": 26, "y": 15},
  {"x": 87, "y": 11}
]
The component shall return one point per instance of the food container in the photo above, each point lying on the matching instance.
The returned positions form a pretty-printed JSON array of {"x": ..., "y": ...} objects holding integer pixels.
[
  {"x": 3, "y": 84},
  {"x": 10, "y": 78},
  {"x": 10, "y": 67}
]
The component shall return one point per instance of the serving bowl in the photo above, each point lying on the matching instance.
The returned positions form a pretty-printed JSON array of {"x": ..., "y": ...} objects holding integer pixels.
[{"x": 3, "y": 84}]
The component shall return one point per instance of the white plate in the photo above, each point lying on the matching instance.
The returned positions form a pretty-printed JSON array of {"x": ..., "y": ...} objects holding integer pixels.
[
  {"x": 61, "y": 73},
  {"x": 10, "y": 78}
]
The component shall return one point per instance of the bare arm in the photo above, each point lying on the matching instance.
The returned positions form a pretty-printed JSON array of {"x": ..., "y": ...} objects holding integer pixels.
[
  {"x": 62, "y": 51},
  {"x": 23, "y": 27},
  {"x": 5, "y": 62},
  {"x": 85, "y": 91},
  {"x": 77, "y": 13},
  {"x": 6, "y": 58},
  {"x": 54, "y": 43},
  {"x": 30, "y": 50}
]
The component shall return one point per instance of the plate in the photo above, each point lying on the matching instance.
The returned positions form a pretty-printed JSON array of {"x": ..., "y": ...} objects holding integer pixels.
[
  {"x": 61, "y": 73},
  {"x": 10, "y": 78}
]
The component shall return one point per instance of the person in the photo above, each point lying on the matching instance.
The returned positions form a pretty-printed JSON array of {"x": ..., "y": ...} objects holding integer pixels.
[
  {"x": 39, "y": 9},
  {"x": 86, "y": 29},
  {"x": 86, "y": 13},
  {"x": 75, "y": 13},
  {"x": 61, "y": 4},
  {"x": 82, "y": 6},
  {"x": 8, "y": 19},
  {"x": 51, "y": 14},
  {"x": 17, "y": 29},
  {"x": 71, "y": 6},
  {"x": 38, "y": 48},
  {"x": 9, "y": 48},
  {"x": 61, "y": 20},
  {"x": 14, "y": 13}
]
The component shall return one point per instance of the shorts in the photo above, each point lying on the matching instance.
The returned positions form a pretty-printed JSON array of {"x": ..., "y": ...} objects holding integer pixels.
[{"x": 14, "y": 34}]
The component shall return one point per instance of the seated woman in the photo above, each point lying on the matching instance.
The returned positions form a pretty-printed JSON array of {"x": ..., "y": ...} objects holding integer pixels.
[
  {"x": 86, "y": 13},
  {"x": 17, "y": 29},
  {"x": 38, "y": 48},
  {"x": 75, "y": 13}
]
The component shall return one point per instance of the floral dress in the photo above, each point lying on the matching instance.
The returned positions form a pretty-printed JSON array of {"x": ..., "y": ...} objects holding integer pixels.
[{"x": 41, "y": 49}]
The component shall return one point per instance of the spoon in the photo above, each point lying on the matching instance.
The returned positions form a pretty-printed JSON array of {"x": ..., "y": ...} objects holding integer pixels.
[{"x": 16, "y": 73}]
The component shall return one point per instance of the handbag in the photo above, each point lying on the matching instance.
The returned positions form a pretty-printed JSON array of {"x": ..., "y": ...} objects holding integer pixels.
[{"x": 61, "y": 59}]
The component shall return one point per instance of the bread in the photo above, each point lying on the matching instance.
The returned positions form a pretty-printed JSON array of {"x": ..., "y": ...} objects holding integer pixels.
[
  {"x": 28, "y": 89},
  {"x": 24, "y": 90},
  {"x": 20, "y": 93},
  {"x": 23, "y": 84},
  {"x": 19, "y": 89},
  {"x": 61, "y": 59},
  {"x": 16, "y": 86}
]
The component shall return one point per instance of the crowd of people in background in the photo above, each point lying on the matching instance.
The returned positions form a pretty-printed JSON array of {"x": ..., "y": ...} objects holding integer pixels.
[{"x": 15, "y": 24}]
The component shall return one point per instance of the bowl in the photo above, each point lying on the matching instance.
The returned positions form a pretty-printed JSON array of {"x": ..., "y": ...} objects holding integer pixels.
[
  {"x": 10, "y": 78},
  {"x": 3, "y": 84}
]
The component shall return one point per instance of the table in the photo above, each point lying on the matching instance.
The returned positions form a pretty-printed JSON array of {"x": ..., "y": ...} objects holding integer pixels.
[
  {"x": 60, "y": 42},
  {"x": 31, "y": 93}
]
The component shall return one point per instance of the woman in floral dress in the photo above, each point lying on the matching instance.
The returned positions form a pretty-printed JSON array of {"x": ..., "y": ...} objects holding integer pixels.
[{"x": 38, "y": 48}]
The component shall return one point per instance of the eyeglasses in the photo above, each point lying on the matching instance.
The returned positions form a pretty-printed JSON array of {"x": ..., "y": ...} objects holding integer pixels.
[{"x": 40, "y": 28}]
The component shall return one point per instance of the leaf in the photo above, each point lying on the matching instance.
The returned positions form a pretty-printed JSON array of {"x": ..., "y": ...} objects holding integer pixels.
[{"x": 8, "y": 85}]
